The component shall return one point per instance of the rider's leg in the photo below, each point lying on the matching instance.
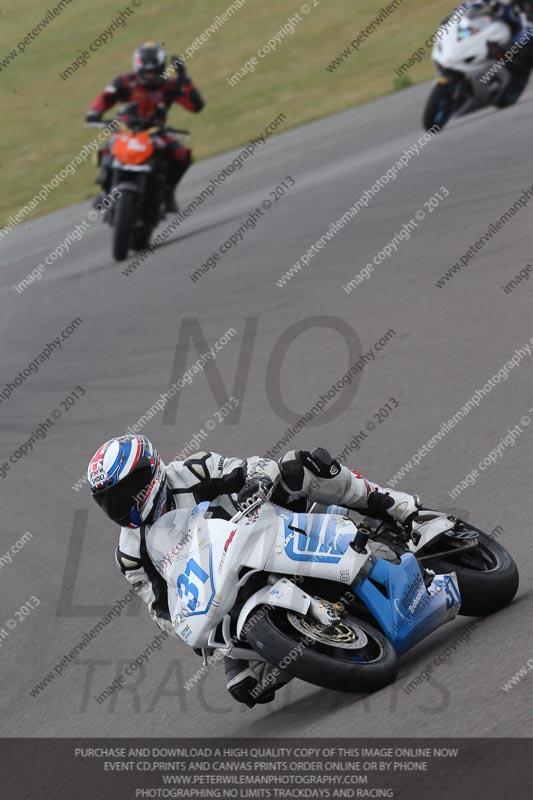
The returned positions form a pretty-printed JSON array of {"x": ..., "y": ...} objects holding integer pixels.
[
  {"x": 104, "y": 174},
  {"x": 179, "y": 161},
  {"x": 520, "y": 66}
]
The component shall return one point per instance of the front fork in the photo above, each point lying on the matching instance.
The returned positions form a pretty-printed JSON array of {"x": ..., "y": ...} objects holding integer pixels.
[
  {"x": 454, "y": 81},
  {"x": 124, "y": 181}
]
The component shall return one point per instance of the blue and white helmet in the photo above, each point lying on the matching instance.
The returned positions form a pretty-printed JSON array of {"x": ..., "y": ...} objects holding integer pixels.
[{"x": 126, "y": 477}]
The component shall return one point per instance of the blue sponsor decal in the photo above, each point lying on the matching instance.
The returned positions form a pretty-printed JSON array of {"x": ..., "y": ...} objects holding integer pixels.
[
  {"x": 404, "y": 609},
  {"x": 305, "y": 542}
]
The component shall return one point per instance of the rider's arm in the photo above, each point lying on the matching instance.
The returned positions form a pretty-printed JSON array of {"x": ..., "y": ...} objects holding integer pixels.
[
  {"x": 114, "y": 93},
  {"x": 182, "y": 89},
  {"x": 501, "y": 10},
  {"x": 219, "y": 475},
  {"x": 506, "y": 10},
  {"x": 134, "y": 563},
  {"x": 316, "y": 475},
  {"x": 187, "y": 95},
  {"x": 486, "y": 6}
]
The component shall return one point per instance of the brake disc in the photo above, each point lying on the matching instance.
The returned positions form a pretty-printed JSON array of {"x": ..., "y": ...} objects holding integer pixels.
[
  {"x": 343, "y": 634},
  {"x": 468, "y": 537}
]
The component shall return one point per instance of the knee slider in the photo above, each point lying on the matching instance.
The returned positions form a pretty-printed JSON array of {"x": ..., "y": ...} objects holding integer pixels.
[{"x": 320, "y": 462}]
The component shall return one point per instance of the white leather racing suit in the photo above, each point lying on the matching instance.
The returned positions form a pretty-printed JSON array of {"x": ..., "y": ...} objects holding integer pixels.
[{"x": 300, "y": 476}]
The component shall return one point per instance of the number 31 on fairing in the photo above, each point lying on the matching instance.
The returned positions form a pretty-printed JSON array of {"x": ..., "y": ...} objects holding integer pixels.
[{"x": 195, "y": 588}]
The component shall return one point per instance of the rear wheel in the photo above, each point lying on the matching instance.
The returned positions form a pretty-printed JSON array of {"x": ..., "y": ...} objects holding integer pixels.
[
  {"x": 439, "y": 107},
  {"x": 124, "y": 220},
  {"x": 513, "y": 91},
  {"x": 350, "y": 657},
  {"x": 487, "y": 575}
]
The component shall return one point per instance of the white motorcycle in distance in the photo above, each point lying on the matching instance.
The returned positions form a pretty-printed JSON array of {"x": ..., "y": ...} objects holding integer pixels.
[
  {"x": 466, "y": 54},
  {"x": 333, "y": 602}
]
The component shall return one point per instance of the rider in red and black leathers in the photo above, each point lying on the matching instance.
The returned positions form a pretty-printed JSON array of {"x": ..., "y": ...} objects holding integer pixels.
[{"x": 152, "y": 92}]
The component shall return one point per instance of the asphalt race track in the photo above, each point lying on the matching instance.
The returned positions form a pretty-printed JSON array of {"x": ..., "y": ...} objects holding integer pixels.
[{"x": 132, "y": 345}]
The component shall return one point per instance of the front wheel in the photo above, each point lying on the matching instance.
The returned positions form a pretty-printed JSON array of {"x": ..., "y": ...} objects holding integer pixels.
[
  {"x": 140, "y": 238},
  {"x": 439, "y": 107},
  {"x": 350, "y": 657},
  {"x": 124, "y": 219},
  {"x": 487, "y": 575}
]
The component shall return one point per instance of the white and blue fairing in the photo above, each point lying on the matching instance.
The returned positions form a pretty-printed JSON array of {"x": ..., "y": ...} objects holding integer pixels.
[{"x": 202, "y": 561}]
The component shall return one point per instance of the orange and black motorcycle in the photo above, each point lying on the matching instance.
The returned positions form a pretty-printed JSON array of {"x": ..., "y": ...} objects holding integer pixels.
[{"x": 133, "y": 165}]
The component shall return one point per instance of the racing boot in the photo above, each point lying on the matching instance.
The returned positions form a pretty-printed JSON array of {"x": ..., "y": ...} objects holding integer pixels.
[
  {"x": 175, "y": 172},
  {"x": 253, "y": 682},
  {"x": 171, "y": 207},
  {"x": 97, "y": 204},
  {"x": 98, "y": 200}
]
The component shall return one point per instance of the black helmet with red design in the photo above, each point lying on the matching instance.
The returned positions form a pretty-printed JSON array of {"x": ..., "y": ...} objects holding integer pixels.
[{"x": 149, "y": 62}]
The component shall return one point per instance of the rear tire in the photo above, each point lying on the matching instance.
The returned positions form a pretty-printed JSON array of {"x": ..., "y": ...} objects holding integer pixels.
[
  {"x": 487, "y": 576},
  {"x": 439, "y": 107},
  {"x": 370, "y": 664},
  {"x": 513, "y": 92},
  {"x": 124, "y": 220}
]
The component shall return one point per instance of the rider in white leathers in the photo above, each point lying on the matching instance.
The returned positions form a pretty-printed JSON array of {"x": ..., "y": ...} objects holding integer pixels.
[
  {"x": 134, "y": 488},
  {"x": 518, "y": 14}
]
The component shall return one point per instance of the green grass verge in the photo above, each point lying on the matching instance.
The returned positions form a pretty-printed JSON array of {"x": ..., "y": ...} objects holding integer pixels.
[{"x": 43, "y": 114}]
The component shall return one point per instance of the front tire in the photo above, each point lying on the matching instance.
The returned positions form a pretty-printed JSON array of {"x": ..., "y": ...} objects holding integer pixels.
[
  {"x": 487, "y": 575},
  {"x": 439, "y": 107},
  {"x": 124, "y": 220},
  {"x": 355, "y": 657},
  {"x": 140, "y": 238}
]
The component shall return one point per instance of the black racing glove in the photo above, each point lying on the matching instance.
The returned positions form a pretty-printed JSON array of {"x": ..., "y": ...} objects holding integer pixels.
[
  {"x": 257, "y": 487},
  {"x": 393, "y": 507},
  {"x": 93, "y": 116},
  {"x": 378, "y": 505},
  {"x": 180, "y": 67}
]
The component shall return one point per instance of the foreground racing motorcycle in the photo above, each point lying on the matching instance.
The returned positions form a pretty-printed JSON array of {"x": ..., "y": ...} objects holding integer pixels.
[
  {"x": 465, "y": 54},
  {"x": 136, "y": 167},
  {"x": 336, "y": 603}
]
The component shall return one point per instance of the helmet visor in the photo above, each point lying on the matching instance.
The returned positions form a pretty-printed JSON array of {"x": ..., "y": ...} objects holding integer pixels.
[{"x": 120, "y": 500}]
